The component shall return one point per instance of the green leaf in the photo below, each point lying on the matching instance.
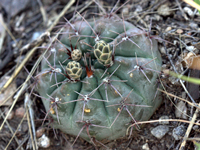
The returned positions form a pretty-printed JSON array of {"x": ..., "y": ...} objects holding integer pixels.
[
  {"x": 198, "y": 2},
  {"x": 198, "y": 145},
  {"x": 186, "y": 78}
]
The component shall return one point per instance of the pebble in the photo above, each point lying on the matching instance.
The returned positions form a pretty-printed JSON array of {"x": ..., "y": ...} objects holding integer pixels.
[
  {"x": 138, "y": 8},
  {"x": 19, "y": 112},
  {"x": 196, "y": 128},
  {"x": 43, "y": 141},
  {"x": 175, "y": 42},
  {"x": 164, "y": 10},
  {"x": 157, "y": 17},
  {"x": 178, "y": 132},
  {"x": 168, "y": 29},
  {"x": 190, "y": 48},
  {"x": 162, "y": 50},
  {"x": 159, "y": 131},
  {"x": 147, "y": 18},
  {"x": 163, "y": 118},
  {"x": 189, "y": 11},
  {"x": 193, "y": 25},
  {"x": 125, "y": 11},
  {"x": 181, "y": 110},
  {"x": 179, "y": 31},
  {"x": 36, "y": 35},
  {"x": 145, "y": 146},
  {"x": 40, "y": 132}
]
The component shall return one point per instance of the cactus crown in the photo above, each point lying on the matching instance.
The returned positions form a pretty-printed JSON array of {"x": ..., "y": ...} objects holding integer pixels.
[{"x": 105, "y": 83}]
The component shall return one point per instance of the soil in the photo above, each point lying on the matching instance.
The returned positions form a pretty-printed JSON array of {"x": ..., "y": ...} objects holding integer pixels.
[{"x": 174, "y": 21}]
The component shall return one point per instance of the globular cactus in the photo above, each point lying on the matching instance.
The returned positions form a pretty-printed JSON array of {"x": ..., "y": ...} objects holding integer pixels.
[{"x": 100, "y": 78}]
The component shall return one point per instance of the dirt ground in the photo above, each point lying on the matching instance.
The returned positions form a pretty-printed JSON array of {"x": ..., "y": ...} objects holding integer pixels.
[{"x": 23, "y": 21}]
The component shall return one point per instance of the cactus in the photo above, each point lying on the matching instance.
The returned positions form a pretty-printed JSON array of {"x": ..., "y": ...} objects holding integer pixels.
[{"x": 99, "y": 77}]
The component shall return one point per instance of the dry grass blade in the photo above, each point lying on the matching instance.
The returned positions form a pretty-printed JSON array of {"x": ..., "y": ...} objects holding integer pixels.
[
  {"x": 31, "y": 125},
  {"x": 30, "y": 130},
  {"x": 181, "y": 81},
  {"x": 183, "y": 13},
  {"x": 9, "y": 32},
  {"x": 193, "y": 139},
  {"x": 43, "y": 12},
  {"x": 10, "y": 96},
  {"x": 71, "y": 2},
  {"x": 33, "y": 50},
  {"x": 18, "y": 69},
  {"x": 23, "y": 85},
  {"x": 85, "y": 129},
  {"x": 189, "y": 129},
  {"x": 193, "y": 4},
  {"x": 11, "y": 130},
  {"x": 15, "y": 131},
  {"x": 169, "y": 94},
  {"x": 36, "y": 64}
]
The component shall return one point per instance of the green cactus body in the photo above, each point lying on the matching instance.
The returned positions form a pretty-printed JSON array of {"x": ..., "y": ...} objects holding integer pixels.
[{"x": 107, "y": 102}]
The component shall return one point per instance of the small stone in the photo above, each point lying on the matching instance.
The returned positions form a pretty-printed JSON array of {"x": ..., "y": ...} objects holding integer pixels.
[
  {"x": 145, "y": 146},
  {"x": 40, "y": 132},
  {"x": 147, "y": 18},
  {"x": 125, "y": 11},
  {"x": 181, "y": 110},
  {"x": 196, "y": 128},
  {"x": 179, "y": 31},
  {"x": 178, "y": 132},
  {"x": 193, "y": 25},
  {"x": 175, "y": 42},
  {"x": 164, "y": 10},
  {"x": 162, "y": 50},
  {"x": 163, "y": 118},
  {"x": 188, "y": 11},
  {"x": 168, "y": 29},
  {"x": 36, "y": 35},
  {"x": 138, "y": 9},
  {"x": 43, "y": 141},
  {"x": 157, "y": 17},
  {"x": 190, "y": 48},
  {"x": 19, "y": 112},
  {"x": 159, "y": 131}
]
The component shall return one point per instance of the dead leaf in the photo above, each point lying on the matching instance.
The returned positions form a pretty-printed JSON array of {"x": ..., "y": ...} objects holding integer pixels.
[{"x": 192, "y": 61}]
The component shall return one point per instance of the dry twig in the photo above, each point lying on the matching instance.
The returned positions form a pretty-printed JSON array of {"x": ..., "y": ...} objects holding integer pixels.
[{"x": 189, "y": 129}]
